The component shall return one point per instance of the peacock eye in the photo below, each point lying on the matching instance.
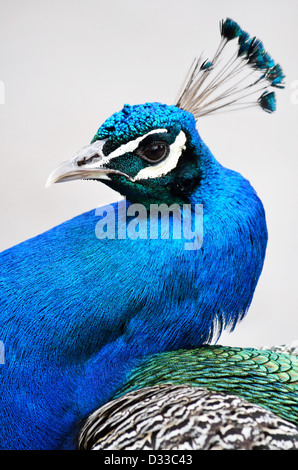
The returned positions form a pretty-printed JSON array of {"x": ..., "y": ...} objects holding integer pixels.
[{"x": 154, "y": 152}]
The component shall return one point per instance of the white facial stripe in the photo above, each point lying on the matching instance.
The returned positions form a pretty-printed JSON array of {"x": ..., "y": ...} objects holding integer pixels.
[
  {"x": 164, "y": 167},
  {"x": 95, "y": 150},
  {"x": 132, "y": 145}
]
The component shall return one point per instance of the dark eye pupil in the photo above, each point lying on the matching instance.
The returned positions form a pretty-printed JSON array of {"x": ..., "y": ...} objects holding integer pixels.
[{"x": 155, "y": 152}]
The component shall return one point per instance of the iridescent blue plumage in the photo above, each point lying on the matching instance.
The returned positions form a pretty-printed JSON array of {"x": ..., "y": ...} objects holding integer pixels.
[
  {"x": 268, "y": 102},
  {"x": 230, "y": 29},
  {"x": 79, "y": 312},
  {"x": 276, "y": 76},
  {"x": 133, "y": 121},
  {"x": 244, "y": 41}
]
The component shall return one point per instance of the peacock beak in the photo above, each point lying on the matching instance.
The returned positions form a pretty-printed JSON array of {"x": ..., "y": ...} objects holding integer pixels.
[{"x": 87, "y": 163}]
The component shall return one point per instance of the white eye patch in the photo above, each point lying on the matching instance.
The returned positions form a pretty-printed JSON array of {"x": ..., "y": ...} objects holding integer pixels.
[
  {"x": 91, "y": 156},
  {"x": 164, "y": 167},
  {"x": 132, "y": 145}
]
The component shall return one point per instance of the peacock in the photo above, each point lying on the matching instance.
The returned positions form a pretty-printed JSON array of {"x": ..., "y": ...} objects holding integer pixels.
[{"x": 91, "y": 305}]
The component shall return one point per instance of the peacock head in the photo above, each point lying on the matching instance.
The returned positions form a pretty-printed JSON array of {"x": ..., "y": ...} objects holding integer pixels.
[
  {"x": 146, "y": 152},
  {"x": 153, "y": 152}
]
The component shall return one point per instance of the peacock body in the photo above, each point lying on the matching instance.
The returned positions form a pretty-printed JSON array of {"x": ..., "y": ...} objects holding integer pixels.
[{"x": 98, "y": 303}]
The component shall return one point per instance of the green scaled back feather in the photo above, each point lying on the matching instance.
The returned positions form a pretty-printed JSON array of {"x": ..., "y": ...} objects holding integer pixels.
[{"x": 263, "y": 377}]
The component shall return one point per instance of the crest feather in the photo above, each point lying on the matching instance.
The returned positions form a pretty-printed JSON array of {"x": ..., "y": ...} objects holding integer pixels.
[{"x": 241, "y": 80}]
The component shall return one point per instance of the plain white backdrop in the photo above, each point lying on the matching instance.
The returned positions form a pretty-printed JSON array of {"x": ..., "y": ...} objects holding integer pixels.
[{"x": 66, "y": 65}]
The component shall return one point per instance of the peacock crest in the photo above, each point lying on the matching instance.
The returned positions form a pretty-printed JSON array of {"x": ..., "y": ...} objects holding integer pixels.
[{"x": 235, "y": 78}]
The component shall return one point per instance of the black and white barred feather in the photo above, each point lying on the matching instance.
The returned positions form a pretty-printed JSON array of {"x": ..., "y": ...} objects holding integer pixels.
[
  {"x": 167, "y": 417},
  {"x": 186, "y": 417}
]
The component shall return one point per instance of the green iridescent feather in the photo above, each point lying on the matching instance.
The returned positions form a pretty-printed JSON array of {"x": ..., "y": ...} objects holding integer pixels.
[{"x": 263, "y": 377}]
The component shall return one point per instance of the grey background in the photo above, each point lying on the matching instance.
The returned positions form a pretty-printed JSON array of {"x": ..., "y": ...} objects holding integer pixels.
[{"x": 68, "y": 64}]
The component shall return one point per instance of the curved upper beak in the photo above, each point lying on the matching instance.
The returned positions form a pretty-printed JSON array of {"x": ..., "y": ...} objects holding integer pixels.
[{"x": 87, "y": 163}]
